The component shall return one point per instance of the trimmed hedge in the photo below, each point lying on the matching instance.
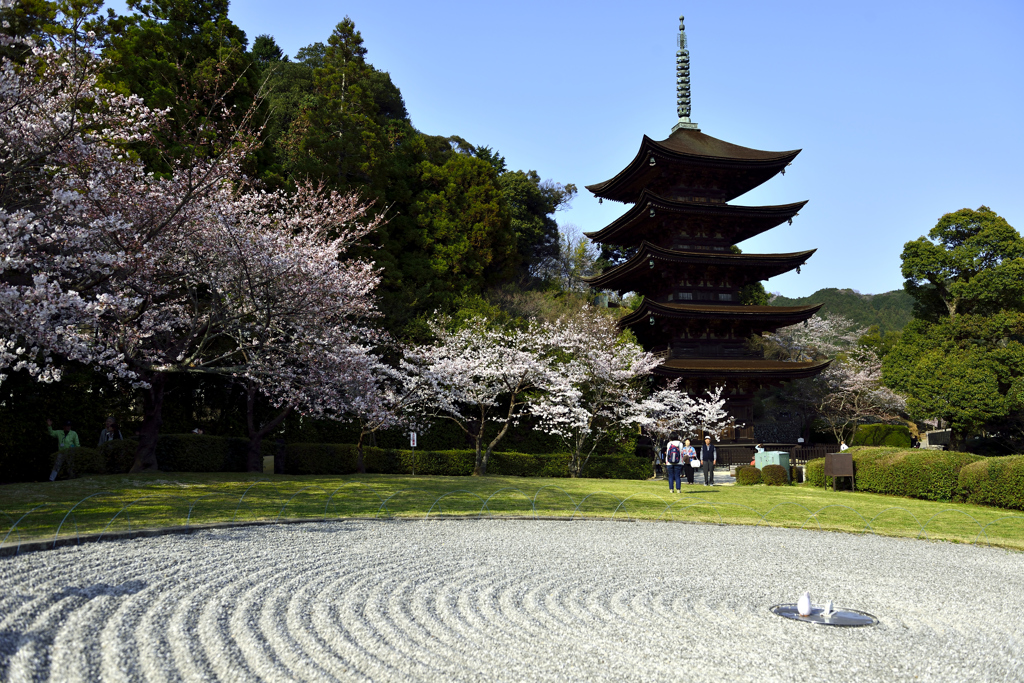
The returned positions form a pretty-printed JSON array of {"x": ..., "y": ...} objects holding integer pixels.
[
  {"x": 882, "y": 435},
  {"x": 119, "y": 455},
  {"x": 926, "y": 474},
  {"x": 814, "y": 472},
  {"x": 312, "y": 458},
  {"x": 82, "y": 459},
  {"x": 993, "y": 481},
  {"x": 774, "y": 475},
  {"x": 200, "y": 453},
  {"x": 748, "y": 476}
]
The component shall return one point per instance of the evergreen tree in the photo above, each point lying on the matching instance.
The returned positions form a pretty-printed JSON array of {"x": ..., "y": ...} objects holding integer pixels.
[{"x": 962, "y": 359}]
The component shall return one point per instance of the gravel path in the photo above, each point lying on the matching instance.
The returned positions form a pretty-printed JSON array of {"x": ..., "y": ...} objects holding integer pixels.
[{"x": 508, "y": 600}]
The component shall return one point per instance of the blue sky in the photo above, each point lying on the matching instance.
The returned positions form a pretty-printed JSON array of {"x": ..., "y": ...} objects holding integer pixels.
[{"x": 904, "y": 110}]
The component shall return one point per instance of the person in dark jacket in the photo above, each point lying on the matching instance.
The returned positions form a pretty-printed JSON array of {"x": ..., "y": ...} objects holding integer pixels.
[
  {"x": 708, "y": 458},
  {"x": 110, "y": 432}
]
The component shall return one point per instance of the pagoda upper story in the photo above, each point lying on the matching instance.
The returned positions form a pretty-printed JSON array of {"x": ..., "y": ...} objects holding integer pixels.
[
  {"x": 679, "y": 238},
  {"x": 691, "y": 166}
]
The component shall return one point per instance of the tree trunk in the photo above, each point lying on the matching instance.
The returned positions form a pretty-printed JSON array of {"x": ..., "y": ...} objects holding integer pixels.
[
  {"x": 480, "y": 468},
  {"x": 152, "y": 418},
  {"x": 360, "y": 462},
  {"x": 254, "y": 460},
  {"x": 504, "y": 430}
]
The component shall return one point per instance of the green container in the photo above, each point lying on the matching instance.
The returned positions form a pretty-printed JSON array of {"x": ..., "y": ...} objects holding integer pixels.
[{"x": 780, "y": 458}]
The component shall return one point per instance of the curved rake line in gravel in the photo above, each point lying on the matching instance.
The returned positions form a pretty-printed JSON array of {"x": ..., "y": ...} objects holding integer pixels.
[
  {"x": 12, "y": 528},
  {"x": 77, "y": 537},
  {"x": 188, "y": 519},
  {"x": 573, "y": 516},
  {"x": 867, "y": 525},
  {"x": 244, "y": 493},
  {"x": 350, "y": 483},
  {"x": 505, "y": 488},
  {"x": 985, "y": 529},
  {"x": 550, "y": 486},
  {"x": 304, "y": 488},
  {"x": 126, "y": 506},
  {"x": 959, "y": 512},
  {"x": 9, "y": 531},
  {"x": 896, "y": 507},
  {"x": 451, "y": 493}
]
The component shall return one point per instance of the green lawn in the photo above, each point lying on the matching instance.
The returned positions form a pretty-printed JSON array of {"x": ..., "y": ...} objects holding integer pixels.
[{"x": 120, "y": 502}]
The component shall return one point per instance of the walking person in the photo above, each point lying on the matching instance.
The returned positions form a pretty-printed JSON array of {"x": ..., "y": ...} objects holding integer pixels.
[
  {"x": 111, "y": 432},
  {"x": 674, "y": 462},
  {"x": 708, "y": 459},
  {"x": 658, "y": 463},
  {"x": 66, "y": 440},
  {"x": 689, "y": 458}
]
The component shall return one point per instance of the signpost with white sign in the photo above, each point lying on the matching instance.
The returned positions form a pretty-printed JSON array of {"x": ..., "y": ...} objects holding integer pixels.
[{"x": 412, "y": 443}]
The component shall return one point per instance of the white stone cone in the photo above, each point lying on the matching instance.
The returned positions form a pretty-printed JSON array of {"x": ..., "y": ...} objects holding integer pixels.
[{"x": 803, "y": 605}]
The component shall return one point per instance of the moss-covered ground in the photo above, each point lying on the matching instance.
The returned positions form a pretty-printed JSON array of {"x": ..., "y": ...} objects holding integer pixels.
[{"x": 115, "y": 503}]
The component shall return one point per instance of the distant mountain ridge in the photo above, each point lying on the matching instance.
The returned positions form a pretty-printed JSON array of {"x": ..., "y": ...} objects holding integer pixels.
[{"x": 890, "y": 311}]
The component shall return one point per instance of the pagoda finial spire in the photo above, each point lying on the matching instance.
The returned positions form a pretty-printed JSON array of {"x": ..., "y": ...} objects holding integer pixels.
[{"x": 683, "y": 82}]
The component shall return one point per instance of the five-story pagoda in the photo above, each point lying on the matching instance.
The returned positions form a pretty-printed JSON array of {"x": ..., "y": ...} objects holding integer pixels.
[{"x": 679, "y": 235}]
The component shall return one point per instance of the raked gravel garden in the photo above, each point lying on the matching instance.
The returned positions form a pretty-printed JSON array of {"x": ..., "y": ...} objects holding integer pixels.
[{"x": 508, "y": 600}]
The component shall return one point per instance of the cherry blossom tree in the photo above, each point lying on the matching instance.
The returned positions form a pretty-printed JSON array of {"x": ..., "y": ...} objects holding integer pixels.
[
  {"x": 379, "y": 396},
  {"x": 595, "y": 388},
  {"x": 143, "y": 275},
  {"x": 670, "y": 410},
  {"x": 480, "y": 373},
  {"x": 850, "y": 391}
]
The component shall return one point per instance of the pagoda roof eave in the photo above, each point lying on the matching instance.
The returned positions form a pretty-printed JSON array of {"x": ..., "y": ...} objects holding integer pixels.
[
  {"x": 639, "y": 213},
  {"x": 765, "y": 370},
  {"x": 691, "y": 147},
  {"x": 773, "y": 264},
  {"x": 777, "y": 316}
]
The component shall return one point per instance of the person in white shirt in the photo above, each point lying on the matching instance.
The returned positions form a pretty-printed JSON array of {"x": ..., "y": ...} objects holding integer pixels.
[
  {"x": 842, "y": 446},
  {"x": 689, "y": 461}
]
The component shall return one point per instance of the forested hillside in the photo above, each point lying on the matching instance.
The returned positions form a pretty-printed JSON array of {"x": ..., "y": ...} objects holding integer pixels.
[{"x": 891, "y": 311}]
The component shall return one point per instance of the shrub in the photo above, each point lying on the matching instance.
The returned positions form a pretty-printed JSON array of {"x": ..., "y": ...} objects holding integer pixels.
[
  {"x": 927, "y": 474},
  {"x": 312, "y": 458},
  {"x": 774, "y": 475},
  {"x": 119, "y": 455},
  {"x": 882, "y": 435},
  {"x": 81, "y": 460},
  {"x": 814, "y": 472},
  {"x": 321, "y": 458},
  {"x": 748, "y": 476},
  {"x": 201, "y": 453},
  {"x": 993, "y": 481}
]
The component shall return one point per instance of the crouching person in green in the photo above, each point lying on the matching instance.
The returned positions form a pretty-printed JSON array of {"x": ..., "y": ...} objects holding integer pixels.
[{"x": 66, "y": 440}]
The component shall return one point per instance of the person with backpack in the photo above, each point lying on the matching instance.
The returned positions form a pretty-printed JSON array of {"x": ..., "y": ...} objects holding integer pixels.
[
  {"x": 674, "y": 463},
  {"x": 689, "y": 458},
  {"x": 658, "y": 463}
]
